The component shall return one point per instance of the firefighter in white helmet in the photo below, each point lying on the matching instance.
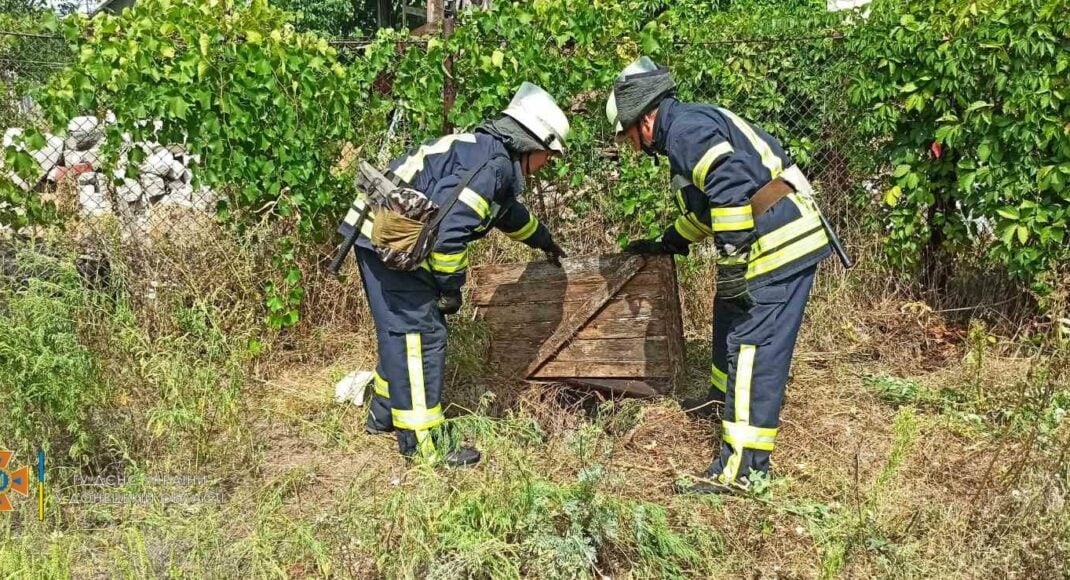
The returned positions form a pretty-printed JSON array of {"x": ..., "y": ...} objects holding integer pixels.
[{"x": 409, "y": 308}]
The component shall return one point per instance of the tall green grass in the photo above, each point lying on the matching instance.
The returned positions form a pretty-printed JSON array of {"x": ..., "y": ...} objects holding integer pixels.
[{"x": 49, "y": 380}]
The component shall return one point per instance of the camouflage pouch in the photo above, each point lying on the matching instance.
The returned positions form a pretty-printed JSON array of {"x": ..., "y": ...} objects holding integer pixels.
[
  {"x": 400, "y": 220},
  {"x": 404, "y": 221}
]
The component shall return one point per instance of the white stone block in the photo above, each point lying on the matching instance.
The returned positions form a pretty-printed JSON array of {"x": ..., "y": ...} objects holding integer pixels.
[
  {"x": 129, "y": 190},
  {"x": 46, "y": 158},
  {"x": 52, "y": 153},
  {"x": 179, "y": 193},
  {"x": 153, "y": 186},
  {"x": 87, "y": 124},
  {"x": 93, "y": 201},
  {"x": 158, "y": 163},
  {"x": 10, "y": 134},
  {"x": 176, "y": 170},
  {"x": 91, "y": 157},
  {"x": 83, "y": 133}
]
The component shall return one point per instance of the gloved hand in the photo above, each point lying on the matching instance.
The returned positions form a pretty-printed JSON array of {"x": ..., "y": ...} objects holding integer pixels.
[
  {"x": 554, "y": 253},
  {"x": 732, "y": 285},
  {"x": 652, "y": 247},
  {"x": 449, "y": 301}
]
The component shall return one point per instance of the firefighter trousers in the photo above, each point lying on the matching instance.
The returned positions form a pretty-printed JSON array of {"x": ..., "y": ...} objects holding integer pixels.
[
  {"x": 752, "y": 350},
  {"x": 411, "y": 335}
]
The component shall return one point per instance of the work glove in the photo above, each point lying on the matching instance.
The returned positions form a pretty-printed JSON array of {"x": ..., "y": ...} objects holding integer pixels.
[
  {"x": 652, "y": 248},
  {"x": 449, "y": 301},
  {"x": 732, "y": 285},
  {"x": 554, "y": 253}
]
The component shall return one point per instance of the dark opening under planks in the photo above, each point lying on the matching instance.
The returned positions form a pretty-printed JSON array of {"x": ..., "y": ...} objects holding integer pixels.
[{"x": 610, "y": 322}]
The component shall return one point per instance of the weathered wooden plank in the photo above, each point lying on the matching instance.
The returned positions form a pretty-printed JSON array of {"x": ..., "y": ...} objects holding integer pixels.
[
  {"x": 654, "y": 349},
  {"x": 622, "y": 386},
  {"x": 572, "y": 323},
  {"x": 498, "y": 274},
  {"x": 632, "y": 343},
  {"x": 555, "y": 369},
  {"x": 503, "y": 316},
  {"x": 576, "y": 289},
  {"x": 673, "y": 317},
  {"x": 600, "y": 327}
]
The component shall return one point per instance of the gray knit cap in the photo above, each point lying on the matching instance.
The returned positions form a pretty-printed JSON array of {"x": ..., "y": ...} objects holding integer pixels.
[{"x": 639, "y": 88}]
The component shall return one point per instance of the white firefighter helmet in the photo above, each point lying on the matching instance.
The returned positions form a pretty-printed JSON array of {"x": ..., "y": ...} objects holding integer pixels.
[
  {"x": 642, "y": 64},
  {"x": 537, "y": 112}
]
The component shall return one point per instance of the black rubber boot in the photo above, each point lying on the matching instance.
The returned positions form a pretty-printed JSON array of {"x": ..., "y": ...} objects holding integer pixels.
[
  {"x": 704, "y": 408},
  {"x": 373, "y": 427},
  {"x": 462, "y": 457},
  {"x": 704, "y": 484},
  {"x": 379, "y": 420}
]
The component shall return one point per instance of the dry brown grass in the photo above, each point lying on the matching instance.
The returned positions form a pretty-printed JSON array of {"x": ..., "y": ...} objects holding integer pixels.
[
  {"x": 865, "y": 485},
  {"x": 839, "y": 450}
]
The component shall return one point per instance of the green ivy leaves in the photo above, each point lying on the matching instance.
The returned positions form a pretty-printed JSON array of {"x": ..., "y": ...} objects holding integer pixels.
[{"x": 976, "y": 125}]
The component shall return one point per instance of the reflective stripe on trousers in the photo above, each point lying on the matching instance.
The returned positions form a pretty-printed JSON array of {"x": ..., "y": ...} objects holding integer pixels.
[
  {"x": 756, "y": 347},
  {"x": 411, "y": 335}
]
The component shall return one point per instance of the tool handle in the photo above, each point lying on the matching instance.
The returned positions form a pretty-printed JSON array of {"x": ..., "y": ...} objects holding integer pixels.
[
  {"x": 837, "y": 245},
  {"x": 343, "y": 251}
]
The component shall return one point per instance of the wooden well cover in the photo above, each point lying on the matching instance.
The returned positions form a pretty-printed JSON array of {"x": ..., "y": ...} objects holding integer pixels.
[{"x": 611, "y": 322}]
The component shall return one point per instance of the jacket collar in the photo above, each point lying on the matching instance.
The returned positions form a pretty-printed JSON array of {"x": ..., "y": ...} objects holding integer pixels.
[
  {"x": 516, "y": 184},
  {"x": 662, "y": 122},
  {"x": 518, "y": 178}
]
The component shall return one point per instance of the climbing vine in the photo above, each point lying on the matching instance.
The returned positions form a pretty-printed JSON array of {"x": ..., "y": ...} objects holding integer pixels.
[
  {"x": 970, "y": 100},
  {"x": 269, "y": 109}
]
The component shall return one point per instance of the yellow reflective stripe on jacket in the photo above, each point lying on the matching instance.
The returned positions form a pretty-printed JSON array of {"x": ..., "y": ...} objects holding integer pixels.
[
  {"x": 769, "y": 159},
  {"x": 740, "y": 259},
  {"x": 476, "y": 202},
  {"x": 695, "y": 221},
  {"x": 525, "y": 232},
  {"x": 686, "y": 228},
  {"x": 418, "y": 419},
  {"x": 354, "y": 214},
  {"x": 702, "y": 168},
  {"x": 382, "y": 388},
  {"x": 810, "y": 221},
  {"x": 414, "y": 163},
  {"x": 718, "y": 378},
  {"x": 787, "y": 254},
  {"x": 744, "y": 436},
  {"x": 732, "y": 219},
  {"x": 449, "y": 263}
]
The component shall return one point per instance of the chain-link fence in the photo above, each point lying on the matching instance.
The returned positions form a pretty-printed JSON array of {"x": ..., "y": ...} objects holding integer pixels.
[
  {"x": 157, "y": 193},
  {"x": 795, "y": 88},
  {"x": 70, "y": 170}
]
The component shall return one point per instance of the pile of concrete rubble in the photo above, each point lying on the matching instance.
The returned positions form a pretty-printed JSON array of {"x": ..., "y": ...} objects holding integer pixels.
[{"x": 164, "y": 176}]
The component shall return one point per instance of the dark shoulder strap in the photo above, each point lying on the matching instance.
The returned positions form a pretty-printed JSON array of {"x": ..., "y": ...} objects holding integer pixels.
[{"x": 456, "y": 194}]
